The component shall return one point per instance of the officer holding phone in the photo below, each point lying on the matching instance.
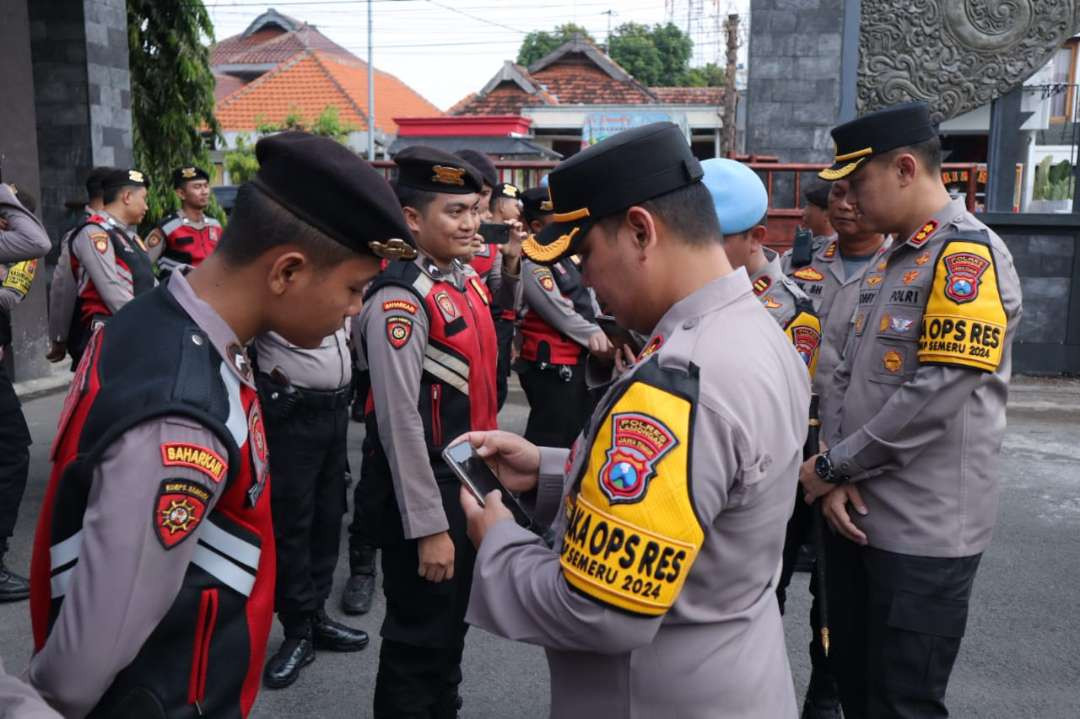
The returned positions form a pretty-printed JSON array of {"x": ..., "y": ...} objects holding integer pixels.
[{"x": 657, "y": 599}]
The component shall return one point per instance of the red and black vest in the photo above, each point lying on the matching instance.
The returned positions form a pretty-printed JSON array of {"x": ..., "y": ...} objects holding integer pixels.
[
  {"x": 205, "y": 656},
  {"x": 540, "y": 342},
  {"x": 186, "y": 244},
  {"x": 484, "y": 260},
  {"x": 457, "y": 387},
  {"x": 133, "y": 266}
]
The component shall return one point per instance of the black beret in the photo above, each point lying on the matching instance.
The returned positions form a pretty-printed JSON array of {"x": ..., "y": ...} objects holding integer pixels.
[
  {"x": 186, "y": 174},
  {"x": 536, "y": 202},
  {"x": 818, "y": 195},
  {"x": 431, "y": 170},
  {"x": 877, "y": 133},
  {"x": 482, "y": 164},
  {"x": 116, "y": 178},
  {"x": 95, "y": 181},
  {"x": 630, "y": 167},
  {"x": 329, "y": 187}
]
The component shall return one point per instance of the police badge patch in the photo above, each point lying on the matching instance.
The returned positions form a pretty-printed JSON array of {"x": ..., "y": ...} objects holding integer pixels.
[
  {"x": 180, "y": 506},
  {"x": 806, "y": 340},
  {"x": 446, "y": 306},
  {"x": 259, "y": 453},
  {"x": 638, "y": 442},
  {"x": 398, "y": 331},
  {"x": 547, "y": 282},
  {"x": 964, "y": 271}
]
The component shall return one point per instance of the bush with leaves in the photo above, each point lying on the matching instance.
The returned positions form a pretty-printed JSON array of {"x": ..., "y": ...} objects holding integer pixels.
[
  {"x": 539, "y": 43},
  {"x": 240, "y": 161}
]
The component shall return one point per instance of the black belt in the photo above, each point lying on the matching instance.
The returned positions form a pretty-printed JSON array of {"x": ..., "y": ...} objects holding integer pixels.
[{"x": 312, "y": 398}]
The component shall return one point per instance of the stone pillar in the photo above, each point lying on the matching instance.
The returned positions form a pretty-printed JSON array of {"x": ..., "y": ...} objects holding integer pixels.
[
  {"x": 793, "y": 93},
  {"x": 18, "y": 145}
]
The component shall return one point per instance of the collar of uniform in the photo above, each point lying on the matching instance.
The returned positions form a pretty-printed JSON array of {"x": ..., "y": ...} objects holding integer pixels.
[
  {"x": 455, "y": 275},
  {"x": 209, "y": 321},
  {"x": 197, "y": 224},
  {"x": 710, "y": 297},
  {"x": 113, "y": 222},
  {"x": 953, "y": 209}
]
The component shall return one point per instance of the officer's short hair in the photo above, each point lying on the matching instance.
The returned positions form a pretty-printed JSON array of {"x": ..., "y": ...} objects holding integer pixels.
[
  {"x": 688, "y": 211},
  {"x": 763, "y": 222},
  {"x": 94, "y": 182},
  {"x": 412, "y": 197},
  {"x": 928, "y": 152},
  {"x": 258, "y": 223}
]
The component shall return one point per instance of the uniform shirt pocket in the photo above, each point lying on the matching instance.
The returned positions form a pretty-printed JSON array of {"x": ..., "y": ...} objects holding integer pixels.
[{"x": 893, "y": 361}]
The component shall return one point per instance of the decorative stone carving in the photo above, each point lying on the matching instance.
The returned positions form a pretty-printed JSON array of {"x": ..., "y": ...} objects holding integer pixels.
[{"x": 956, "y": 54}]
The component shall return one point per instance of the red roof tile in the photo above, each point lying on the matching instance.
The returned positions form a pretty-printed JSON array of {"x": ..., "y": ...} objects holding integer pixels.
[
  {"x": 575, "y": 80},
  {"x": 393, "y": 98},
  {"x": 689, "y": 95},
  {"x": 506, "y": 99}
]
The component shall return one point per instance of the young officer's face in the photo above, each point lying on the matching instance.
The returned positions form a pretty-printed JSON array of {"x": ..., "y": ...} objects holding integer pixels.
[
  {"x": 195, "y": 193},
  {"x": 608, "y": 266},
  {"x": 446, "y": 227},
  {"x": 321, "y": 299},
  {"x": 875, "y": 191}
]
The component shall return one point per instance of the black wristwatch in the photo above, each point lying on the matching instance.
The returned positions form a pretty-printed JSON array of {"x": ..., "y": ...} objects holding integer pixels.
[{"x": 823, "y": 467}]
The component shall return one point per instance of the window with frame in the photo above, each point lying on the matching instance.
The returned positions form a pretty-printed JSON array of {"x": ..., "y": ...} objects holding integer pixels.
[{"x": 1063, "y": 74}]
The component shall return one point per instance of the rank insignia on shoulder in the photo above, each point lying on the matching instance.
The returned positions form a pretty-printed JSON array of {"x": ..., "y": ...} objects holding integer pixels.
[
  {"x": 882, "y": 266},
  {"x": 651, "y": 348},
  {"x": 187, "y": 454},
  {"x": 480, "y": 290},
  {"x": 830, "y": 251},
  {"x": 809, "y": 274},
  {"x": 638, "y": 442},
  {"x": 180, "y": 506},
  {"x": 403, "y": 305},
  {"x": 923, "y": 235},
  {"x": 761, "y": 284},
  {"x": 398, "y": 331}
]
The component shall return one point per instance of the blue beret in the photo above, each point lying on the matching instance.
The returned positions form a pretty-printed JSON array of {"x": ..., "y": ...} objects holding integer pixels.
[{"x": 737, "y": 192}]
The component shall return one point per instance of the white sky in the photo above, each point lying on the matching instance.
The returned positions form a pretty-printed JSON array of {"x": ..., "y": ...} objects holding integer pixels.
[{"x": 445, "y": 49}]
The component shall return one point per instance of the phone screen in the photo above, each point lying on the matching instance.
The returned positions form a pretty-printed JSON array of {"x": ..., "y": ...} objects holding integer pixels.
[
  {"x": 476, "y": 475},
  {"x": 494, "y": 233}
]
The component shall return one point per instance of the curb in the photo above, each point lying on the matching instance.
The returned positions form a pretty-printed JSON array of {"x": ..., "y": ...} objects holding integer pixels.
[{"x": 30, "y": 389}]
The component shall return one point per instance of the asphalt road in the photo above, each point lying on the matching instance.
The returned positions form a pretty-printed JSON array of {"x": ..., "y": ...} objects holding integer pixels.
[{"x": 1020, "y": 657}]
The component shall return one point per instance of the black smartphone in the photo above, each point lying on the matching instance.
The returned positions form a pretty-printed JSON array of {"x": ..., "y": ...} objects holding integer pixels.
[
  {"x": 494, "y": 233},
  {"x": 802, "y": 249},
  {"x": 473, "y": 472},
  {"x": 619, "y": 336}
]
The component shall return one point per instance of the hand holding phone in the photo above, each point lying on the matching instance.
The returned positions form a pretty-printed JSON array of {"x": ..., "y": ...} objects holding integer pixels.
[
  {"x": 476, "y": 476},
  {"x": 494, "y": 233}
]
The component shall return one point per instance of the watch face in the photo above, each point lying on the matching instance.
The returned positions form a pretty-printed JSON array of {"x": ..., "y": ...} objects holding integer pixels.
[{"x": 822, "y": 467}]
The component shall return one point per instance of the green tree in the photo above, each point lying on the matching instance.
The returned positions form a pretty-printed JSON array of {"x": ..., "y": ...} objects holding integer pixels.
[
  {"x": 539, "y": 43},
  {"x": 240, "y": 161},
  {"x": 657, "y": 55},
  {"x": 711, "y": 75},
  {"x": 172, "y": 93}
]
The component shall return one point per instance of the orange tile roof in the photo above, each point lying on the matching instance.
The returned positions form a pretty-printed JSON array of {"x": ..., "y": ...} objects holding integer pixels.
[
  {"x": 690, "y": 95},
  {"x": 225, "y": 85},
  {"x": 309, "y": 82}
]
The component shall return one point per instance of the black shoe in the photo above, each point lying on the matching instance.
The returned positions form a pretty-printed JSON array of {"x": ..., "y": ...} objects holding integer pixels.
[
  {"x": 804, "y": 560},
  {"x": 13, "y": 588},
  {"x": 335, "y": 636},
  {"x": 358, "y": 595},
  {"x": 284, "y": 667},
  {"x": 813, "y": 709}
]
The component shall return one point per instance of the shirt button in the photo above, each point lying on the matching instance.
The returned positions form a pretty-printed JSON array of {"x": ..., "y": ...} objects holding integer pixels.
[
  {"x": 197, "y": 340},
  {"x": 690, "y": 324}
]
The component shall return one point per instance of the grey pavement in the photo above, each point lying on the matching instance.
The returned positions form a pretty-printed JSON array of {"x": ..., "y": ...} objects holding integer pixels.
[{"x": 1020, "y": 657}]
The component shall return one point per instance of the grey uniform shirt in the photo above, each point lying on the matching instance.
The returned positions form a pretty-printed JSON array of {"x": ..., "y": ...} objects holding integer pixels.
[
  {"x": 395, "y": 387},
  {"x": 97, "y": 263},
  {"x": 63, "y": 291},
  {"x": 834, "y": 294},
  {"x": 923, "y": 410},
  {"x": 21, "y": 244},
  {"x": 715, "y": 648},
  {"x": 325, "y": 368},
  {"x": 553, "y": 306},
  {"x": 790, "y": 307},
  {"x": 20, "y": 701},
  {"x": 124, "y": 581}
]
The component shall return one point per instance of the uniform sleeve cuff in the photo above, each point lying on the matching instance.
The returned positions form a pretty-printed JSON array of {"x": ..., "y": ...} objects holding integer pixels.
[
  {"x": 549, "y": 486},
  {"x": 424, "y": 524},
  {"x": 842, "y": 456}
]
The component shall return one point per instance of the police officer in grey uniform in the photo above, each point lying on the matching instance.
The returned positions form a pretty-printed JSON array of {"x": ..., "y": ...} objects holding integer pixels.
[
  {"x": 741, "y": 203},
  {"x": 915, "y": 440},
  {"x": 670, "y": 509},
  {"x": 305, "y": 396},
  {"x": 22, "y": 241}
]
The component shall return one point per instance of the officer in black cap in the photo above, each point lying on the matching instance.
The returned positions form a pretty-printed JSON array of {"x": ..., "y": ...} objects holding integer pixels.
[
  {"x": 670, "y": 510},
  {"x": 188, "y": 236},
  {"x": 159, "y": 493},
  {"x": 428, "y": 341},
  {"x": 910, "y": 480}
]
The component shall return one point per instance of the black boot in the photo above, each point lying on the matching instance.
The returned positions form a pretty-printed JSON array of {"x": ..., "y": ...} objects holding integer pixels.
[
  {"x": 360, "y": 588},
  {"x": 13, "y": 588},
  {"x": 284, "y": 667},
  {"x": 822, "y": 699},
  {"x": 336, "y": 636}
]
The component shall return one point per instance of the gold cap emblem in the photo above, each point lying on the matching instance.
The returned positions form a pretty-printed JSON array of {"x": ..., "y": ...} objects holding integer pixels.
[
  {"x": 448, "y": 175},
  {"x": 393, "y": 249}
]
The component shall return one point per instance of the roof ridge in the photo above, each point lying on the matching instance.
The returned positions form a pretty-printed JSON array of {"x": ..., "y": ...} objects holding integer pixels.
[{"x": 365, "y": 115}]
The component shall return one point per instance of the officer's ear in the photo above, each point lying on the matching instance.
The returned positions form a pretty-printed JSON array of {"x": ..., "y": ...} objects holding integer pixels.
[
  {"x": 758, "y": 235},
  {"x": 642, "y": 224},
  {"x": 905, "y": 166},
  {"x": 285, "y": 269},
  {"x": 413, "y": 217}
]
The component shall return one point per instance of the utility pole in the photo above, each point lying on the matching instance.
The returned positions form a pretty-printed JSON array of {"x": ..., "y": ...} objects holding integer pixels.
[
  {"x": 370, "y": 84},
  {"x": 731, "y": 27},
  {"x": 607, "y": 40}
]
